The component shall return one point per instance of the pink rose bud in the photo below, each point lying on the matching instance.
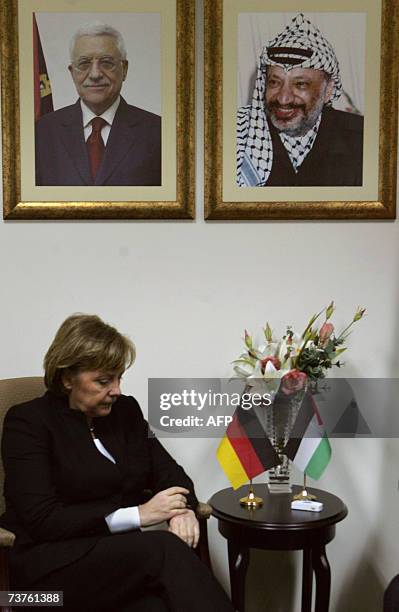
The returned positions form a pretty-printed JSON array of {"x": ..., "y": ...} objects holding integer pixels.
[
  {"x": 325, "y": 333},
  {"x": 274, "y": 360},
  {"x": 292, "y": 382}
]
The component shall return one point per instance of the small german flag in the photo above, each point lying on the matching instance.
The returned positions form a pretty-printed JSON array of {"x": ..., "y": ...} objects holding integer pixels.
[{"x": 245, "y": 451}]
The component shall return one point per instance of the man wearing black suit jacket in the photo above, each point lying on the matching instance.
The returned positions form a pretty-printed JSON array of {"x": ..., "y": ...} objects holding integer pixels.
[{"x": 100, "y": 140}]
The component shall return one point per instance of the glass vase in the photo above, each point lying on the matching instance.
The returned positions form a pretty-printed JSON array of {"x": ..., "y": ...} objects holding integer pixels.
[{"x": 280, "y": 420}]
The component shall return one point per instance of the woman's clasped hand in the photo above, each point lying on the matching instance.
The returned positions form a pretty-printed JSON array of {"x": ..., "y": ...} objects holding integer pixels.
[{"x": 171, "y": 505}]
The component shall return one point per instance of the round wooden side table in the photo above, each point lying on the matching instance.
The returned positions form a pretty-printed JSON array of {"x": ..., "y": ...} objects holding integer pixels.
[{"x": 274, "y": 526}]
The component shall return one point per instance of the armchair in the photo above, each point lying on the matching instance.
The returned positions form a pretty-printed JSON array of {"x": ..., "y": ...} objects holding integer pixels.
[{"x": 12, "y": 391}]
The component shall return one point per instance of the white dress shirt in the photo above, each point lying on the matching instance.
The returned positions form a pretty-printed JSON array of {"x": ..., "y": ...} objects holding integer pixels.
[
  {"x": 108, "y": 116},
  {"x": 124, "y": 518}
]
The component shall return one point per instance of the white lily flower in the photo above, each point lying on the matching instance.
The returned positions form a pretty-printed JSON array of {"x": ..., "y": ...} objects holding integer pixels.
[
  {"x": 256, "y": 372},
  {"x": 243, "y": 371},
  {"x": 283, "y": 350},
  {"x": 273, "y": 384},
  {"x": 269, "y": 349}
]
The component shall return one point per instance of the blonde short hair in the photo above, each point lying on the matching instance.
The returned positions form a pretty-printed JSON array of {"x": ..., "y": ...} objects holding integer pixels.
[{"x": 85, "y": 342}]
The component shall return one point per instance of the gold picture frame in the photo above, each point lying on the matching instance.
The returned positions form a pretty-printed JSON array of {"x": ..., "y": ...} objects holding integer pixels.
[
  {"x": 217, "y": 205},
  {"x": 180, "y": 206}
]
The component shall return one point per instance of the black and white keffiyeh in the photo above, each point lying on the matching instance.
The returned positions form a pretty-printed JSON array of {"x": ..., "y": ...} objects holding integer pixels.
[
  {"x": 298, "y": 147},
  {"x": 299, "y": 45}
]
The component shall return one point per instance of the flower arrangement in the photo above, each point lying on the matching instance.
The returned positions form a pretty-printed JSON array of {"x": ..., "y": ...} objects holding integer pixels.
[{"x": 289, "y": 362}]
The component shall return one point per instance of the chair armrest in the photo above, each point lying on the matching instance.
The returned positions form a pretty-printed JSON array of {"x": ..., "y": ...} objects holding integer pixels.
[
  {"x": 7, "y": 538},
  {"x": 203, "y": 511}
]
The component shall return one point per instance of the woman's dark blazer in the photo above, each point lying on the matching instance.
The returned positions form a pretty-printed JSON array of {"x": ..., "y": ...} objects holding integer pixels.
[{"x": 59, "y": 487}]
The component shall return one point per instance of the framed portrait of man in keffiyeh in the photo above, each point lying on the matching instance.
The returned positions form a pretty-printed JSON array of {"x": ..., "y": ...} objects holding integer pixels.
[{"x": 305, "y": 123}]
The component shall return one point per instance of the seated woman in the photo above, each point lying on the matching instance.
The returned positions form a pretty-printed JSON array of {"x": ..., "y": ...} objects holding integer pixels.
[{"x": 76, "y": 463}]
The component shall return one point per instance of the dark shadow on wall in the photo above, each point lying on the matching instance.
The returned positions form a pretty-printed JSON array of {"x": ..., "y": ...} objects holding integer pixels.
[
  {"x": 272, "y": 581},
  {"x": 274, "y": 585},
  {"x": 362, "y": 591}
]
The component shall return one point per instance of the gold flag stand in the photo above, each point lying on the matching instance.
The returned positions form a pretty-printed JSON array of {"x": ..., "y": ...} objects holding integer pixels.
[
  {"x": 251, "y": 500},
  {"x": 304, "y": 495}
]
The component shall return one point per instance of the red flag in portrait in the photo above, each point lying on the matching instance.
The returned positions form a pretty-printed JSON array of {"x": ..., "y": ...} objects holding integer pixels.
[{"x": 42, "y": 88}]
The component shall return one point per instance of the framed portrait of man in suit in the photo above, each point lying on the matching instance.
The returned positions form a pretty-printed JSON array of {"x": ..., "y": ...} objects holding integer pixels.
[
  {"x": 97, "y": 107},
  {"x": 305, "y": 123}
]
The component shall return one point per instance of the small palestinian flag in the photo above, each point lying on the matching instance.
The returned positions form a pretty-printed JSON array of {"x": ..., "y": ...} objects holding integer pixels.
[
  {"x": 43, "y": 97},
  {"x": 245, "y": 451},
  {"x": 310, "y": 450}
]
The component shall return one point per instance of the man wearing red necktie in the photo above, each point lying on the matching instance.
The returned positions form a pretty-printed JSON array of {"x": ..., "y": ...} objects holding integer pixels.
[{"x": 100, "y": 140}]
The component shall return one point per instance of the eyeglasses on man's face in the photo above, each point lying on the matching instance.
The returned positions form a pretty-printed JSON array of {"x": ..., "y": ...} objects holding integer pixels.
[{"x": 105, "y": 64}]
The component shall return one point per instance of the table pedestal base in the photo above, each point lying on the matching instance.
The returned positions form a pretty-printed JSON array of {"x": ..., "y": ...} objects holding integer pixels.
[{"x": 275, "y": 526}]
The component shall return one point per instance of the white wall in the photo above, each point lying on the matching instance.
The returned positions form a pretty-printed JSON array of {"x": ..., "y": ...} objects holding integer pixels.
[{"x": 184, "y": 291}]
